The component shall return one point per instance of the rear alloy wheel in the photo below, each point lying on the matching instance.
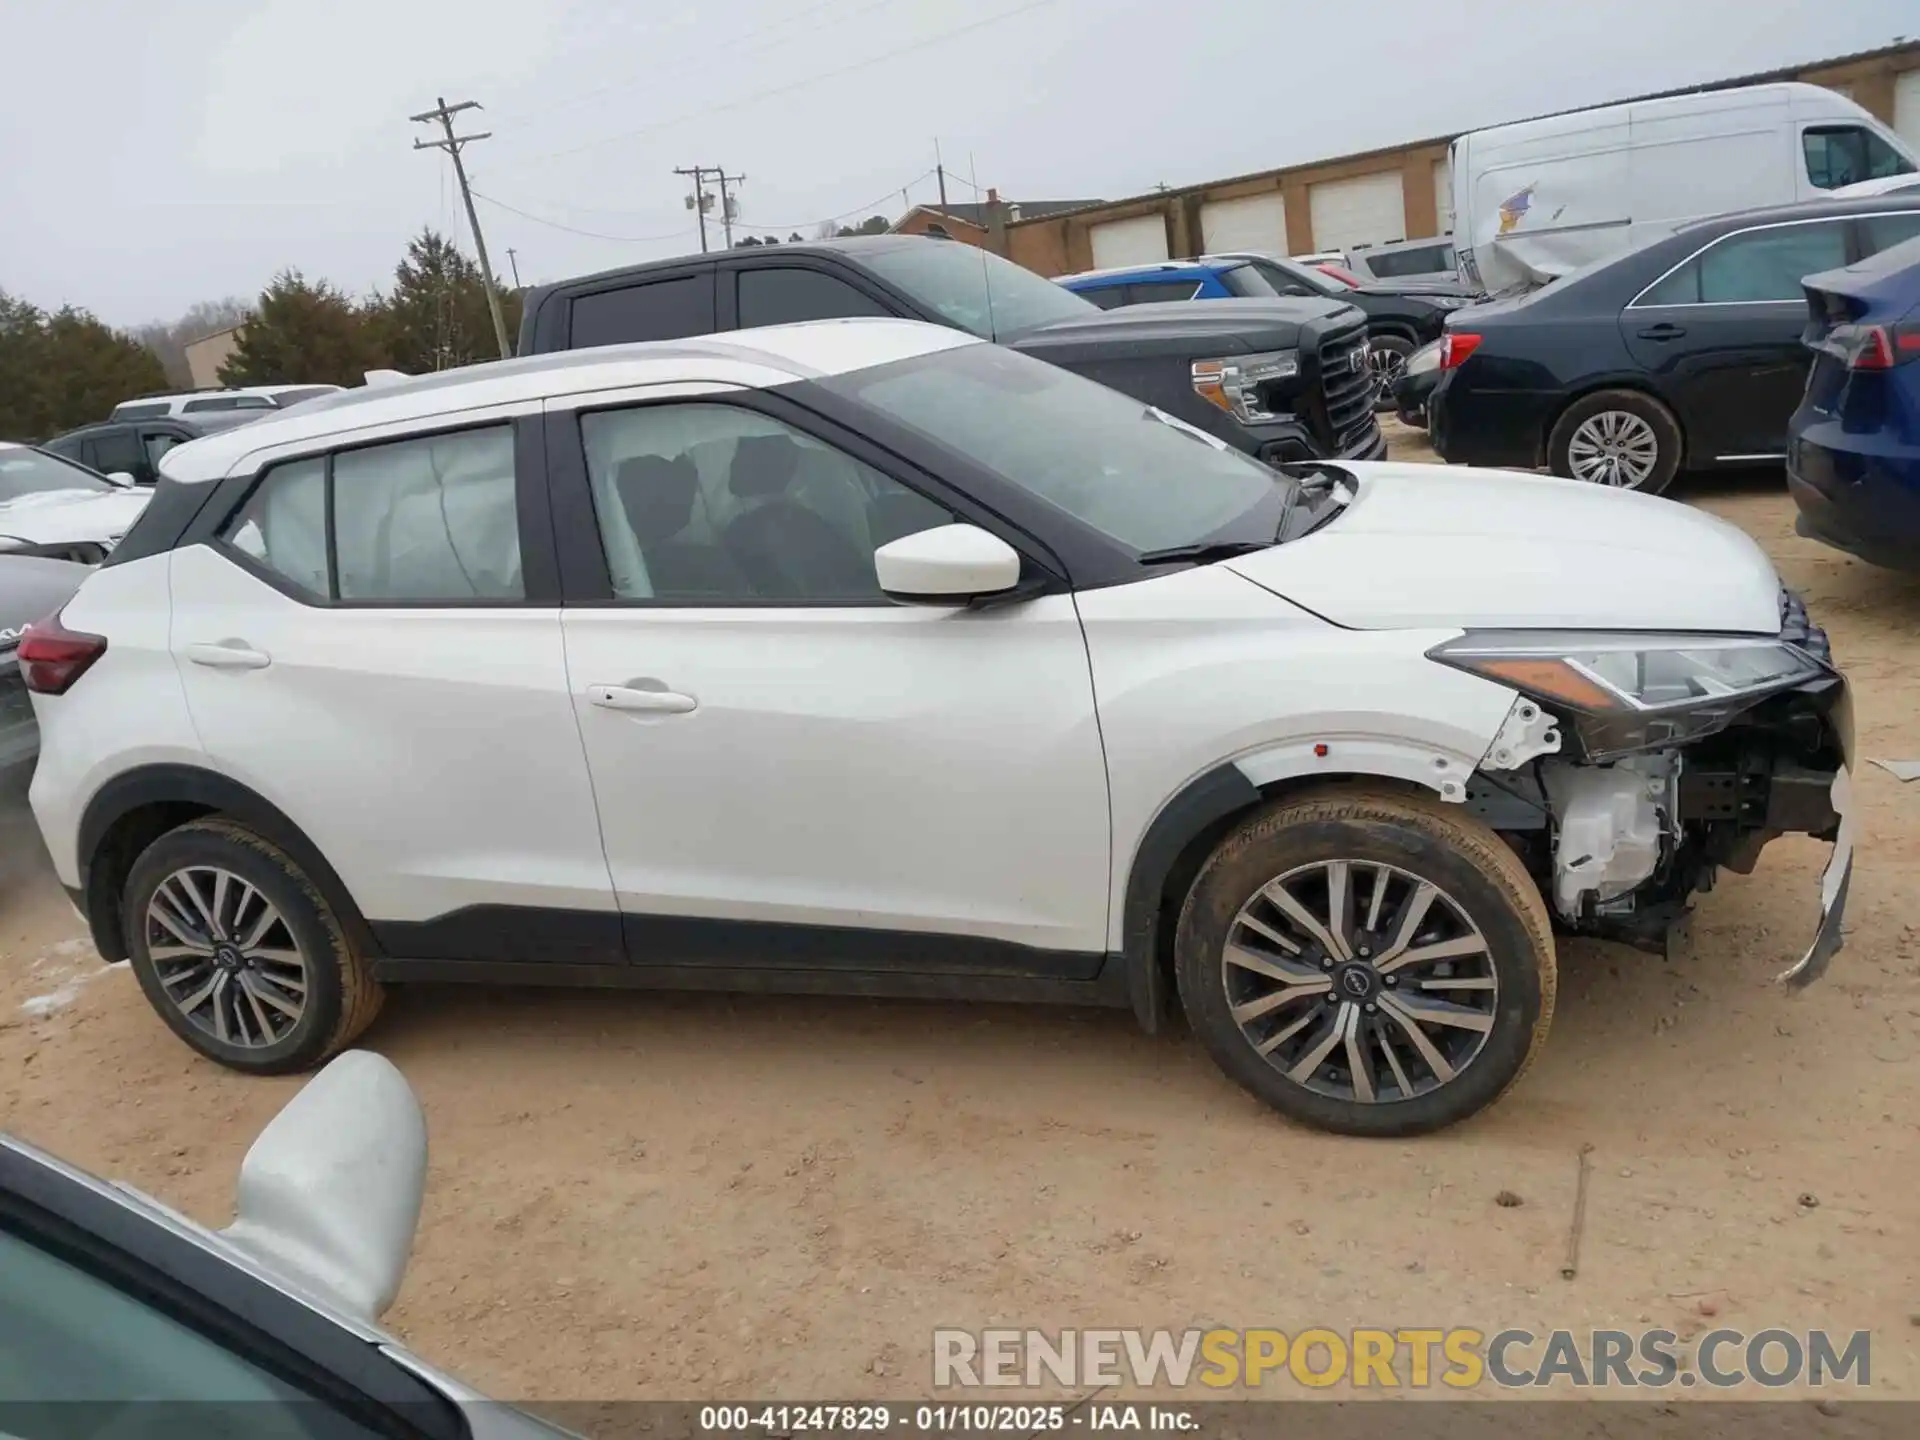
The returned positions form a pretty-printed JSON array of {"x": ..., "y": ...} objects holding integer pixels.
[
  {"x": 1387, "y": 358},
  {"x": 240, "y": 954},
  {"x": 1367, "y": 962},
  {"x": 1617, "y": 438}
]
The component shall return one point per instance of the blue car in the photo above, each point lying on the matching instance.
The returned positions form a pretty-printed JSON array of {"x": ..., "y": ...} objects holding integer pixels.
[
  {"x": 1853, "y": 448},
  {"x": 1401, "y": 315}
]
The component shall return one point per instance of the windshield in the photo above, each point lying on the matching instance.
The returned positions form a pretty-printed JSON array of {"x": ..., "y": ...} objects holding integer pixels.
[
  {"x": 1137, "y": 476},
  {"x": 974, "y": 289},
  {"x": 34, "y": 472}
]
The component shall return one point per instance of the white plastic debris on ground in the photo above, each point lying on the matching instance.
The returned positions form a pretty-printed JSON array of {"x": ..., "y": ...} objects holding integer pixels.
[{"x": 72, "y": 964}]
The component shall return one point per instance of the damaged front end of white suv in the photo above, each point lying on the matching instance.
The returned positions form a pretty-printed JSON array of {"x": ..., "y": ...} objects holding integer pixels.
[{"x": 1637, "y": 765}]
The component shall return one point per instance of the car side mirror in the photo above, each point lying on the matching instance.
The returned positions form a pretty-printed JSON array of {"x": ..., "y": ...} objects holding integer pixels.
[
  {"x": 947, "y": 565},
  {"x": 122, "y": 478},
  {"x": 329, "y": 1195}
]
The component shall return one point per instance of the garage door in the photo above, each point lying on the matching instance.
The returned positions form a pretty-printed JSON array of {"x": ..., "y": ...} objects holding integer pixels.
[
  {"x": 1443, "y": 195},
  {"x": 1906, "y": 107},
  {"x": 1138, "y": 241},
  {"x": 1253, "y": 222},
  {"x": 1367, "y": 210}
]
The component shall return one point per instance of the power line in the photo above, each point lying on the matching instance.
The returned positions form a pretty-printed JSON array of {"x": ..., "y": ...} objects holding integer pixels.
[
  {"x": 574, "y": 229},
  {"x": 746, "y": 222},
  {"x": 453, "y": 145},
  {"x": 791, "y": 86},
  {"x": 869, "y": 207},
  {"x": 733, "y": 55}
]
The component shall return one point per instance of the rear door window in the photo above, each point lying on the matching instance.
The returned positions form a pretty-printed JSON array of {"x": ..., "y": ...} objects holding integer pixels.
[
  {"x": 669, "y": 309},
  {"x": 782, "y": 295},
  {"x": 1754, "y": 266},
  {"x": 1107, "y": 297},
  {"x": 1847, "y": 154}
]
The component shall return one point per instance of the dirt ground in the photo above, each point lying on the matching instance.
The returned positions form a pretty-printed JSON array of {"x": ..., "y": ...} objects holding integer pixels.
[{"x": 636, "y": 1195}]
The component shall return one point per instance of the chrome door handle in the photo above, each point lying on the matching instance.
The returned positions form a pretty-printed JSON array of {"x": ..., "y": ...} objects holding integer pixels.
[
  {"x": 228, "y": 656},
  {"x": 636, "y": 700}
]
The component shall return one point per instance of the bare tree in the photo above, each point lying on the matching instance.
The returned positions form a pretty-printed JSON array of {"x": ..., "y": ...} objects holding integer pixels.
[{"x": 169, "y": 340}]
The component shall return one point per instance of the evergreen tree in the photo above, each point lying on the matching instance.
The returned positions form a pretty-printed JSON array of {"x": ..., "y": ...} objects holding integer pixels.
[{"x": 305, "y": 333}]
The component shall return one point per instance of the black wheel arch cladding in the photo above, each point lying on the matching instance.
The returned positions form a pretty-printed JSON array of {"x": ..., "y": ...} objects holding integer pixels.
[
  {"x": 133, "y": 809},
  {"x": 1177, "y": 841}
]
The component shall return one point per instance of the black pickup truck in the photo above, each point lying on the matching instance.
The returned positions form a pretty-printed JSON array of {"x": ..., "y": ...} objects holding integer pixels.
[{"x": 1280, "y": 379}]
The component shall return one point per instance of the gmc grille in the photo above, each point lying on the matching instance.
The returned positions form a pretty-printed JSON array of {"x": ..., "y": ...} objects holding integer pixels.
[{"x": 1345, "y": 419}]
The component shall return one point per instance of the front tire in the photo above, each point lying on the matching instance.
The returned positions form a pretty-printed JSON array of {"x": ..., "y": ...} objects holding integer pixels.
[
  {"x": 1387, "y": 358},
  {"x": 1367, "y": 962},
  {"x": 1618, "y": 438},
  {"x": 240, "y": 954}
]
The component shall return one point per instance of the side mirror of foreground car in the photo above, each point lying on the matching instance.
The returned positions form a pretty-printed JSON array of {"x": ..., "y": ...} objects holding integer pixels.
[
  {"x": 948, "y": 565},
  {"x": 330, "y": 1192}
]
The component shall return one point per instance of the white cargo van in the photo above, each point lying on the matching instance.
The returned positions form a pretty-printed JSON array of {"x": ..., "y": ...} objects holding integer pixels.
[{"x": 1538, "y": 198}]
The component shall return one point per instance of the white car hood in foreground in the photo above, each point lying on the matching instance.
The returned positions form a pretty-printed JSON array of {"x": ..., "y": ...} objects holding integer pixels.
[
  {"x": 1424, "y": 545},
  {"x": 52, "y": 517}
]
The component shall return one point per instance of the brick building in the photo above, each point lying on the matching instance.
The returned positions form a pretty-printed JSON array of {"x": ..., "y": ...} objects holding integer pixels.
[{"x": 1400, "y": 192}]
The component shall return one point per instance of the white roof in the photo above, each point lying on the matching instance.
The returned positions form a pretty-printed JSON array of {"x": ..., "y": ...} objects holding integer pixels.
[{"x": 752, "y": 359}]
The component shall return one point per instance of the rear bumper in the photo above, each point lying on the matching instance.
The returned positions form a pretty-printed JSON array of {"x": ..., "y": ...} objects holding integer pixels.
[
  {"x": 1472, "y": 426},
  {"x": 1864, "y": 502}
]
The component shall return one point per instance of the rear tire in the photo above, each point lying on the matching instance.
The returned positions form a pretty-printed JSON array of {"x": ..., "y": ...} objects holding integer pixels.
[
  {"x": 1619, "y": 438},
  {"x": 240, "y": 954},
  {"x": 1445, "y": 936}
]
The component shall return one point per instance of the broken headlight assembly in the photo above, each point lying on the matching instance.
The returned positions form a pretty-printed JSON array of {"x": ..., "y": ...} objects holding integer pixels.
[
  {"x": 1624, "y": 693},
  {"x": 1241, "y": 384}
]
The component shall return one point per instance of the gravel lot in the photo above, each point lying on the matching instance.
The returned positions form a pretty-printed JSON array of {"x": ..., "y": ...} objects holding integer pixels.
[{"x": 641, "y": 1195}]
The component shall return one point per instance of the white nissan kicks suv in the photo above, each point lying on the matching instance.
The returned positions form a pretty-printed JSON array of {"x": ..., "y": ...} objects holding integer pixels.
[{"x": 865, "y": 656}]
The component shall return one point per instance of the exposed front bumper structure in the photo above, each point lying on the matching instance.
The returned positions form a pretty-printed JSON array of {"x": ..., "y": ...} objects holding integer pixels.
[
  {"x": 1838, "y": 876},
  {"x": 1621, "y": 837}
]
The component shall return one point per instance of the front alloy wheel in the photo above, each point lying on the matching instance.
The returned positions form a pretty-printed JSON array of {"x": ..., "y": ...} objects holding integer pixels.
[
  {"x": 1367, "y": 961},
  {"x": 1359, "y": 981}
]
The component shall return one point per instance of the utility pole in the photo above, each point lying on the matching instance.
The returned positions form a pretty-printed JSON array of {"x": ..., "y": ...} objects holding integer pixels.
[
  {"x": 453, "y": 144},
  {"x": 697, "y": 202},
  {"x": 726, "y": 201},
  {"x": 940, "y": 169},
  {"x": 513, "y": 259}
]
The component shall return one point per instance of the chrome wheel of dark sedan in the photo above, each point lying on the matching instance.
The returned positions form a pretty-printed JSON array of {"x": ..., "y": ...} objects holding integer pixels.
[{"x": 1614, "y": 447}]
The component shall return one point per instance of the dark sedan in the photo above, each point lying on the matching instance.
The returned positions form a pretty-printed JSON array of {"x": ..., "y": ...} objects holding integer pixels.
[{"x": 1683, "y": 354}]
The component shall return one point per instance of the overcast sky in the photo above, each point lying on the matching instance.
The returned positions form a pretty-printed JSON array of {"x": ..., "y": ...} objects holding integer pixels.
[{"x": 158, "y": 152}]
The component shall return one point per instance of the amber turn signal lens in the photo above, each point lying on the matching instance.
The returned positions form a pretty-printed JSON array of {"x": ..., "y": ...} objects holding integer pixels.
[{"x": 1548, "y": 679}]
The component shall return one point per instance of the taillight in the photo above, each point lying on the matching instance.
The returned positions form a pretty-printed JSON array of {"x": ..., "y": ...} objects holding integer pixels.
[
  {"x": 52, "y": 657},
  {"x": 1455, "y": 346},
  {"x": 1874, "y": 347}
]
